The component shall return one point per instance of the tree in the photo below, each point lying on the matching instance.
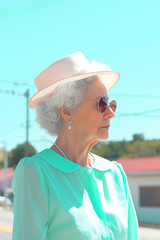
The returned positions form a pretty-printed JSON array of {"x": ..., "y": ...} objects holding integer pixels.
[
  {"x": 137, "y": 137},
  {"x": 18, "y": 153},
  {"x": 138, "y": 147}
]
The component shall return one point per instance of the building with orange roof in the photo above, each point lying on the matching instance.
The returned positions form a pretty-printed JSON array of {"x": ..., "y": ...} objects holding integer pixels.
[{"x": 144, "y": 180}]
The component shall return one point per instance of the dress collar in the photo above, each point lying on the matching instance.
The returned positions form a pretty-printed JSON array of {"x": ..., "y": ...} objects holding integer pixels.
[{"x": 66, "y": 165}]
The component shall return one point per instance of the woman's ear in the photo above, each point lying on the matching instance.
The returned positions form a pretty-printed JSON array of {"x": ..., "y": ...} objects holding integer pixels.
[{"x": 65, "y": 113}]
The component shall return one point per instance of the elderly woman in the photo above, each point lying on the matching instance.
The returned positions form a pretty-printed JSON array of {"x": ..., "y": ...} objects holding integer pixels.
[{"x": 66, "y": 192}]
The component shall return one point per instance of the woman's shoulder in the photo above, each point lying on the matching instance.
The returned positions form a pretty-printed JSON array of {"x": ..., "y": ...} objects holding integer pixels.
[
  {"x": 31, "y": 161},
  {"x": 115, "y": 168},
  {"x": 27, "y": 167},
  {"x": 28, "y": 178},
  {"x": 28, "y": 164},
  {"x": 104, "y": 164}
]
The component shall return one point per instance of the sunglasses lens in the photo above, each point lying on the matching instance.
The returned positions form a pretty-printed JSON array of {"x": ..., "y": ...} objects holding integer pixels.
[
  {"x": 102, "y": 104},
  {"x": 113, "y": 105}
]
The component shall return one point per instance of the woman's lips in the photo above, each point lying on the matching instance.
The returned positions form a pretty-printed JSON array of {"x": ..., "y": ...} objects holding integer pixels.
[{"x": 107, "y": 126}]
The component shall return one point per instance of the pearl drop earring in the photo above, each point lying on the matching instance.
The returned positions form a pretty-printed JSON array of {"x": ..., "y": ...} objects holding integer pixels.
[{"x": 69, "y": 125}]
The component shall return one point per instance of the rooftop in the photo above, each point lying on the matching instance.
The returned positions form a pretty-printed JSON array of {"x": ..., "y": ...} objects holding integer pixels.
[
  {"x": 10, "y": 172},
  {"x": 149, "y": 164}
]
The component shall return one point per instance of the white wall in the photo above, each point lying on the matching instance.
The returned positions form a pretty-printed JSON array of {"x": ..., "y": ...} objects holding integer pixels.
[{"x": 144, "y": 214}]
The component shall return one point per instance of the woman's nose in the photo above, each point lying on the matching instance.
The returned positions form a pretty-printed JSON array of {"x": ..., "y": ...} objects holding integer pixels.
[{"x": 109, "y": 113}]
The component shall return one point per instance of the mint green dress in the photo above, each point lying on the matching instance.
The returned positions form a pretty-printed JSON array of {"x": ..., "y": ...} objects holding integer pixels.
[{"x": 57, "y": 199}]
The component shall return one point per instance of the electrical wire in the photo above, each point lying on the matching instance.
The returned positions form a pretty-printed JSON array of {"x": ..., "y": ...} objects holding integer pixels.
[
  {"x": 136, "y": 95},
  {"x": 129, "y": 95},
  {"x": 16, "y": 83},
  {"x": 11, "y": 130},
  {"x": 144, "y": 113},
  {"x": 13, "y": 115}
]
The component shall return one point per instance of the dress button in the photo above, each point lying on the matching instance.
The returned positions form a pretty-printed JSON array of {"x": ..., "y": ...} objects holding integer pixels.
[{"x": 89, "y": 171}]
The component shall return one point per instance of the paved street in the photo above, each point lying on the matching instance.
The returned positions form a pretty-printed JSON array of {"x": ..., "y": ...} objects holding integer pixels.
[
  {"x": 6, "y": 222},
  {"x": 5, "y": 236},
  {"x": 149, "y": 233}
]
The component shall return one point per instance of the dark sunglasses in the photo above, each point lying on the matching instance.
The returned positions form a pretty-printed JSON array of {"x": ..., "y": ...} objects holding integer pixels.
[{"x": 103, "y": 104}]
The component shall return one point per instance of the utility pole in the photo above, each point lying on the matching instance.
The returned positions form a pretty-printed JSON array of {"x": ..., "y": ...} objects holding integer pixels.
[
  {"x": 5, "y": 175},
  {"x": 27, "y": 123},
  {"x": 5, "y": 171}
]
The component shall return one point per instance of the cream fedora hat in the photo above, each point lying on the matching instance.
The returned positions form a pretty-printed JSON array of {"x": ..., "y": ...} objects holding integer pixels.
[{"x": 70, "y": 68}]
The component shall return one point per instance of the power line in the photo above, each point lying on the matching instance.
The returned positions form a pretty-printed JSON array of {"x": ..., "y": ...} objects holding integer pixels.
[
  {"x": 17, "y": 83},
  {"x": 6, "y": 81},
  {"x": 13, "y": 115},
  {"x": 143, "y": 113},
  {"x": 22, "y": 125},
  {"x": 129, "y": 95},
  {"x": 136, "y": 95},
  {"x": 132, "y": 115},
  {"x": 42, "y": 140},
  {"x": 11, "y": 130},
  {"x": 11, "y": 92}
]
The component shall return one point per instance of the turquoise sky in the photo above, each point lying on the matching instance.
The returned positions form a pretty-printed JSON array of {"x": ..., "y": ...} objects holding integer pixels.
[{"x": 123, "y": 34}]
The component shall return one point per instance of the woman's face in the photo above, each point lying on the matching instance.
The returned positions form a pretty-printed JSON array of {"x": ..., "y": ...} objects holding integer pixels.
[{"x": 87, "y": 121}]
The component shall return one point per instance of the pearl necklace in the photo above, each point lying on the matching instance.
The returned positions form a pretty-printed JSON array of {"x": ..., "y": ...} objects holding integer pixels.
[{"x": 64, "y": 155}]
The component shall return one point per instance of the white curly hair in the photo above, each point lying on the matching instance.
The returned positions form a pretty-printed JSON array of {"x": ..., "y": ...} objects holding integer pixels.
[{"x": 69, "y": 95}]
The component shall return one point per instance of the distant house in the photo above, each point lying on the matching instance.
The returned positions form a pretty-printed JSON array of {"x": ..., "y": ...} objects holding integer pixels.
[
  {"x": 144, "y": 180},
  {"x": 2, "y": 154},
  {"x": 10, "y": 172}
]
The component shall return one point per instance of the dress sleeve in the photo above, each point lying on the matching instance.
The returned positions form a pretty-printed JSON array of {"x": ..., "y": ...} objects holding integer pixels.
[
  {"x": 133, "y": 229},
  {"x": 30, "y": 205}
]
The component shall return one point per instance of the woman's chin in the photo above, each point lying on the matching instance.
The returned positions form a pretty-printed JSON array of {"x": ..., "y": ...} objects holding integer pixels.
[{"x": 104, "y": 136}]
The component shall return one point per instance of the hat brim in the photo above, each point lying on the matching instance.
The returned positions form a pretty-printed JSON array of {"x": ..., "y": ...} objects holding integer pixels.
[{"x": 109, "y": 79}]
